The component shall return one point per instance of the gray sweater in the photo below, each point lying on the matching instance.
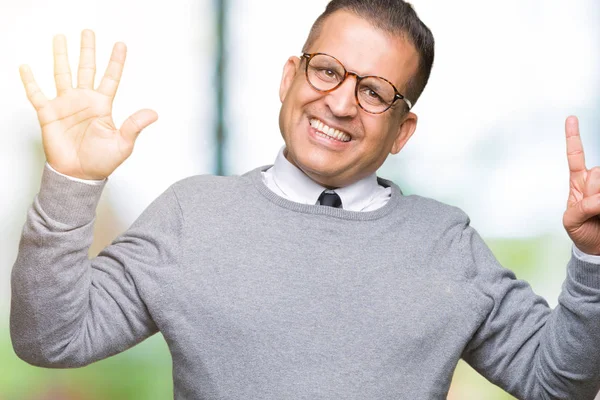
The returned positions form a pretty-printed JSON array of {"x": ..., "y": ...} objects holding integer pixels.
[{"x": 259, "y": 297}]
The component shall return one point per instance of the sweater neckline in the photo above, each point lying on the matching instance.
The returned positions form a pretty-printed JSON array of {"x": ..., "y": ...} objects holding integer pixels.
[{"x": 396, "y": 197}]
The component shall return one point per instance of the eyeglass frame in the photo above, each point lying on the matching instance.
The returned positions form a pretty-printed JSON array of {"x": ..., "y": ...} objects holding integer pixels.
[{"x": 397, "y": 94}]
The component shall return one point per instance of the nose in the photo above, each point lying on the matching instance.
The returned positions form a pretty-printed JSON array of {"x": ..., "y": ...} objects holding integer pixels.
[{"x": 342, "y": 101}]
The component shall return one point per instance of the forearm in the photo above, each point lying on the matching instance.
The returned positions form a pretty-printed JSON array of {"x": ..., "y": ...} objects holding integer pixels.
[
  {"x": 563, "y": 361},
  {"x": 568, "y": 361},
  {"x": 526, "y": 348},
  {"x": 65, "y": 309}
]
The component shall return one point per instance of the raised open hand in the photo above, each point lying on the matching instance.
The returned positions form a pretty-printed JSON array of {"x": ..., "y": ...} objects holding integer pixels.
[
  {"x": 582, "y": 217},
  {"x": 79, "y": 136}
]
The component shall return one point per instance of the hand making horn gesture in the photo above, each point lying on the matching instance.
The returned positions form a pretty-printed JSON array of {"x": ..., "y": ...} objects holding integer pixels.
[
  {"x": 582, "y": 217},
  {"x": 79, "y": 136}
]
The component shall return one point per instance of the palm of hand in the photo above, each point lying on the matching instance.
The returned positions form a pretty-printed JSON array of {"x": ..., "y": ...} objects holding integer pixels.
[
  {"x": 77, "y": 129},
  {"x": 79, "y": 136}
]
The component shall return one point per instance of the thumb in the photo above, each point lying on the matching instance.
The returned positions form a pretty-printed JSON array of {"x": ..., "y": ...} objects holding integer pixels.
[{"x": 136, "y": 122}]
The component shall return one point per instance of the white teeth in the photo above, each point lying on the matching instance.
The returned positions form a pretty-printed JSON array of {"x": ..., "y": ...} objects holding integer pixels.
[{"x": 329, "y": 132}]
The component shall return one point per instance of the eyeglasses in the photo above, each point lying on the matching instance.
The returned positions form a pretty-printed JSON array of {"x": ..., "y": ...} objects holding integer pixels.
[{"x": 374, "y": 94}]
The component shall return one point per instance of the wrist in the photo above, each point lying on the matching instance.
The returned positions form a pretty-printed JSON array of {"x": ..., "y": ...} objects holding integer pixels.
[
  {"x": 585, "y": 256},
  {"x": 86, "y": 181},
  {"x": 67, "y": 201}
]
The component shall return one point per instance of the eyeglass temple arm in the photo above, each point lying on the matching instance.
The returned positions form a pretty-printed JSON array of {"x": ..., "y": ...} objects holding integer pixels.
[{"x": 407, "y": 101}]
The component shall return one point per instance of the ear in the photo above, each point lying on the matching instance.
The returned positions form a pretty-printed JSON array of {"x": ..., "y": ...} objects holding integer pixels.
[
  {"x": 406, "y": 130},
  {"x": 290, "y": 69}
]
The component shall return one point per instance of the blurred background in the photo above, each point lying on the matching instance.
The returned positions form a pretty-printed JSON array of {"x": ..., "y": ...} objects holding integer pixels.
[{"x": 490, "y": 137}]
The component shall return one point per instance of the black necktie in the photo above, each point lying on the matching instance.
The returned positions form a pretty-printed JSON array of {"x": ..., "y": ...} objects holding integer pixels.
[{"x": 330, "y": 199}]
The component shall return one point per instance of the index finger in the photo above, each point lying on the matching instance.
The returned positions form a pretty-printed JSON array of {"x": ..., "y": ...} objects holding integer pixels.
[{"x": 575, "y": 155}]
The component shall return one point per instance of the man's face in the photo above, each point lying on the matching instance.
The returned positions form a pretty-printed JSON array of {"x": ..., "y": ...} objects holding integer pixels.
[{"x": 367, "y": 51}]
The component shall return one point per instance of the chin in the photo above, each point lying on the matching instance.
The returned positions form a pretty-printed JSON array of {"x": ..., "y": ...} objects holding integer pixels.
[
  {"x": 324, "y": 175},
  {"x": 310, "y": 162}
]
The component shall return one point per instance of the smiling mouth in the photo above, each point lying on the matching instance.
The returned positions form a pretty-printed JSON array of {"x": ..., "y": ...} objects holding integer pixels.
[{"x": 329, "y": 133}]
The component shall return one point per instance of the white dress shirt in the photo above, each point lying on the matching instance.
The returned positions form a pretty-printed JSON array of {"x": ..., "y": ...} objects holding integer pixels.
[{"x": 288, "y": 181}]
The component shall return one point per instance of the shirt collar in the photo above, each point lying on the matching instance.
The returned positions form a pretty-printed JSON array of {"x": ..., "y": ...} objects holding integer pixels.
[{"x": 298, "y": 187}]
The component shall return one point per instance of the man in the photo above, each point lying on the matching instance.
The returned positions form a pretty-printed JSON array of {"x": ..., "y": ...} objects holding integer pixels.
[{"x": 310, "y": 279}]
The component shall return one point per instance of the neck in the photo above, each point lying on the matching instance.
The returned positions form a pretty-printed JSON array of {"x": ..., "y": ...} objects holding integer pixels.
[{"x": 315, "y": 178}]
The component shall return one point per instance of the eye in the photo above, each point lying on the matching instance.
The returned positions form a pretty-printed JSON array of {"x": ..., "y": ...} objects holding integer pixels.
[
  {"x": 373, "y": 94},
  {"x": 370, "y": 95},
  {"x": 328, "y": 74}
]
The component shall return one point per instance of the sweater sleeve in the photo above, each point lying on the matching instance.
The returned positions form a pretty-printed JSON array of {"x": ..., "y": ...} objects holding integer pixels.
[
  {"x": 522, "y": 345},
  {"x": 68, "y": 310}
]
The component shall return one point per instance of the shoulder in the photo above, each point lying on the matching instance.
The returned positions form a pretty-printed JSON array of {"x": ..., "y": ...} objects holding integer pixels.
[
  {"x": 204, "y": 182},
  {"x": 424, "y": 209},
  {"x": 203, "y": 190},
  {"x": 436, "y": 212}
]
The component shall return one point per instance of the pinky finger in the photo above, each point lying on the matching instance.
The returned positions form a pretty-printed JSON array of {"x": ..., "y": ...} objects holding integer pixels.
[{"x": 34, "y": 94}]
